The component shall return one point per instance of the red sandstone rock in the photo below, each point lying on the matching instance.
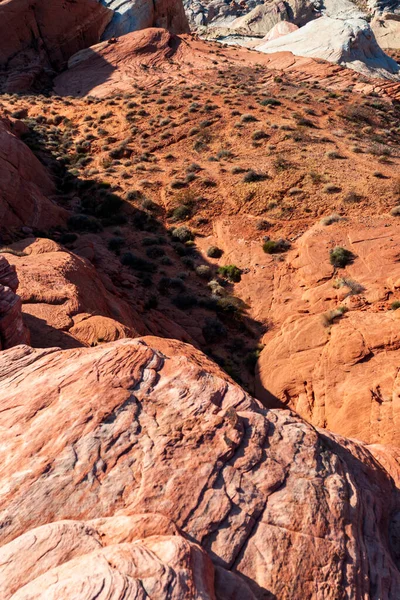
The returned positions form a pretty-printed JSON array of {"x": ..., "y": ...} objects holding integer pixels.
[
  {"x": 342, "y": 374},
  {"x": 84, "y": 560},
  {"x": 24, "y": 186},
  {"x": 38, "y": 34},
  {"x": 151, "y": 425},
  {"x": 63, "y": 292},
  {"x": 12, "y": 328}
]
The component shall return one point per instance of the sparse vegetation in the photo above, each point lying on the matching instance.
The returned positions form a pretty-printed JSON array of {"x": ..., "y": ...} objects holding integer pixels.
[
  {"x": 340, "y": 257},
  {"x": 231, "y": 272}
]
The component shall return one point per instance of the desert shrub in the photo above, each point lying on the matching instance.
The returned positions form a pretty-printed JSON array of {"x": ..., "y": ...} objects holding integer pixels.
[
  {"x": 270, "y": 102},
  {"x": 231, "y": 272},
  {"x": 203, "y": 271},
  {"x": 151, "y": 302},
  {"x": 238, "y": 170},
  {"x": 329, "y": 317},
  {"x": 395, "y": 305},
  {"x": 115, "y": 243},
  {"x": 154, "y": 252},
  {"x": 224, "y": 153},
  {"x": 276, "y": 247},
  {"x": 340, "y": 257},
  {"x": 352, "y": 197},
  {"x": 7, "y": 250},
  {"x": 248, "y": 118},
  {"x": 165, "y": 260},
  {"x": 213, "y": 331},
  {"x": 177, "y": 184},
  {"x": 214, "y": 252},
  {"x": 259, "y": 134},
  {"x": 334, "y": 154},
  {"x": 188, "y": 262},
  {"x": 180, "y": 213},
  {"x": 183, "y": 234},
  {"x": 353, "y": 286},
  {"x": 263, "y": 225},
  {"x": 185, "y": 301},
  {"x": 356, "y": 113},
  {"x": 330, "y": 219},
  {"x": 129, "y": 259},
  {"x": 331, "y": 188},
  {"x": 230, "y": 305},
  {"x": 252, "y": 176},
  {"x": 84, "y": 223},
  {"x": 395, "y": 212}
]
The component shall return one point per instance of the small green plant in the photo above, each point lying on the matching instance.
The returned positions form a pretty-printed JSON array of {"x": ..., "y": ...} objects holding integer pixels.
[
  {"x": 395, "y": 305},
  {"x": 340, "y": 257},
  {"x": 231, "y": 272},
  {"x": 203, "y": 271},
  {"x": 353, "y": 286}
]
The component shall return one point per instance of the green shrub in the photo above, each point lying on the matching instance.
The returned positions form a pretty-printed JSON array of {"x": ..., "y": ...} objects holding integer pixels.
[
  {"x": 252, "y": 176},
  {"x": 395, "y": 305},
  {"x": 231, "y": 272},
  {"x": 340, "y": 257}
]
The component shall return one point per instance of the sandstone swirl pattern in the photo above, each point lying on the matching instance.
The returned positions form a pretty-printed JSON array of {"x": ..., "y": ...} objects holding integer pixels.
[{"x": 152, "y": 426}]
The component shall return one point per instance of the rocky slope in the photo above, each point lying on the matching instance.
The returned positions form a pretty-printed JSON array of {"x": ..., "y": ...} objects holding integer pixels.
[{"x": 150, "y": 425}]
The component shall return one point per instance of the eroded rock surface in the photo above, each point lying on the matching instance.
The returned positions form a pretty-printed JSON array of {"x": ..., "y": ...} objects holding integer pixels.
[
  {"x": 151, "y": 425},
  {"x": 25, "y": 186},
  {"x": 338, "y": 372},
  {"x": 12, "y": 328},
  {"x": 65, "y": 300}
]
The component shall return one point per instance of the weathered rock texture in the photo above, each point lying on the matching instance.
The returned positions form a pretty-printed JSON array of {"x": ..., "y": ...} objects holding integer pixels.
[
  {"x": 151, "y": 425},
  {"x": 12, "y": 328},
  {"x": 141, "y": 556},
  {"x": 65, "y": 300},
  {"x": 38, "y": 35},
  {"x": 134, "y": 15},
  {"x": 25, "y": 186},
  {"x": 343, "y": 373}
]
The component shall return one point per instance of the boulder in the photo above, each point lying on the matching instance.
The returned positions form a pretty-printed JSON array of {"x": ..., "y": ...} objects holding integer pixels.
[
  {"x": 12, "y": 328},
  {"x": 151, "y": 425},
  {"x": 65, "y": 300}
]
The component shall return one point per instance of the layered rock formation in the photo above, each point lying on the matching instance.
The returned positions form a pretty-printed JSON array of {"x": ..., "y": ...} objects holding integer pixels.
[
  {"x": 25, "y": 186},
  {"x": 66, "y": 302},
  {"x": 151, "y": 425},
  {"x": 12, "y": 328}
]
